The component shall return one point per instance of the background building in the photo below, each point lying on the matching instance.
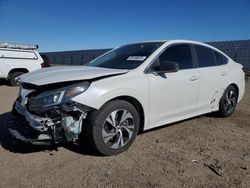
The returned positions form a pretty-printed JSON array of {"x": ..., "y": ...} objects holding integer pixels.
[{"x": 238, "y": 50}]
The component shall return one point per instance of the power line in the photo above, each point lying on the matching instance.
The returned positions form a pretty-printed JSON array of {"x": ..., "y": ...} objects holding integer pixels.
[{"x": 31, "y": 15}]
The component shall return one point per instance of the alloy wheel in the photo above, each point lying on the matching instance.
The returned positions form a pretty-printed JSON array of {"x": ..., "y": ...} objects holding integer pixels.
[
  {"x": 230, "y": 101},
  {"x": 118, "y": 129}
]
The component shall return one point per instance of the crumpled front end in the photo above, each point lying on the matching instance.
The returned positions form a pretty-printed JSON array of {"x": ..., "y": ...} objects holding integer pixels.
[{"x": 37, "y": 123}]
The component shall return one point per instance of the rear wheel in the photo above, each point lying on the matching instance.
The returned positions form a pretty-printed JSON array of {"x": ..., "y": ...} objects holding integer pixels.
[
  {"x": 13, "y": 76},
  {"x": 113, "y": 128},
  {"x": 228, "y": 102}
]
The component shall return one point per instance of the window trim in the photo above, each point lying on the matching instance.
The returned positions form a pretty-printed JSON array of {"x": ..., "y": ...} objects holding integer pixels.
[{"x": 148, "y": 69}]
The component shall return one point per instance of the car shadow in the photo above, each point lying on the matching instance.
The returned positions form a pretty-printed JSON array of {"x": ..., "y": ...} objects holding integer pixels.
[
  {"x": 8, "y": 142},
  {"x": 3, "y": 82},
  {"x": 81, "y": 146}
]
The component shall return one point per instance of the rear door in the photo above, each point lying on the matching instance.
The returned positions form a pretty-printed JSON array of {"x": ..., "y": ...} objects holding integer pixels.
[
  {"x": 173, "y": 95},
  {"x": 213, "y": 72}
]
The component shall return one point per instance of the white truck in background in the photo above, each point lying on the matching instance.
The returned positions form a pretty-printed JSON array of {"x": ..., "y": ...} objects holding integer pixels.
[{"x": 18, "y": 59}]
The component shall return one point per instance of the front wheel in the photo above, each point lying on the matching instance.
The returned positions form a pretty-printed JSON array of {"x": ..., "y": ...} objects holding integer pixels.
[
  {"x": 113, "y": 128},
  {"x": 13, "y": 76},
  {"x": 228, "y": 101}
]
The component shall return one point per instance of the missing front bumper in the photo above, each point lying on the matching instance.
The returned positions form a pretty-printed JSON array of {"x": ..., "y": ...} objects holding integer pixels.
[
  {"x": 23, "y": 132},
  {"x": 39, "y": 130}
]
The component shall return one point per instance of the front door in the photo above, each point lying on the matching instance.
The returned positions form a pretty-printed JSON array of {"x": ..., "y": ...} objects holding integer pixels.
[{"x": 173, "y": 96}]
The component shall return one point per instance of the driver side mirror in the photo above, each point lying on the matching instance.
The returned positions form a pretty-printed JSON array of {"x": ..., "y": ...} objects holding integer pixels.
[{"x": 166, "y": 66}]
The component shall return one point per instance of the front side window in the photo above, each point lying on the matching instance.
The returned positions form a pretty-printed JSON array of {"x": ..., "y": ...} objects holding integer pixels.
[
  {"x": 205, "y": 56},
  {"x": 180, "y": 54},
  {"x": 126, "y": 57}
]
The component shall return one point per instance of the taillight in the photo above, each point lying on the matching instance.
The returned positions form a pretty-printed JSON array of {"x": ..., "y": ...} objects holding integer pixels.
[{"x": 42, "y": 65}]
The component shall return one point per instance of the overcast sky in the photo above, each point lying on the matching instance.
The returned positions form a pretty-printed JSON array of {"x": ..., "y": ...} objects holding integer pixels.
[{"x": 57, "y": 25}]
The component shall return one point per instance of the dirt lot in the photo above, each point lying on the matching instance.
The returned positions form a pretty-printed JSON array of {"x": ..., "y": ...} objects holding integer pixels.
[{"x": 177, "y": 155}]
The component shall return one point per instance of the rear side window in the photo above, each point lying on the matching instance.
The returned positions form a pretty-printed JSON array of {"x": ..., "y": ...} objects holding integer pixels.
[
  {"x": 220, "y": 59},
  {"x": 17, "y": 54},
  {"x": 180, "y": 54},
  {"x": 205, "y": 56}
]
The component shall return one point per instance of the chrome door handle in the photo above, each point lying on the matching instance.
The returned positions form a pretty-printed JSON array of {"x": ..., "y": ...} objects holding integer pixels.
[
  {"x": 193, "y": 78},
  {"x": 224, "y": 73}
]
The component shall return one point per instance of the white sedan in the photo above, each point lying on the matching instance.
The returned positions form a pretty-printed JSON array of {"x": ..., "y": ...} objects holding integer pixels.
[{"x": 134, "y": 87}]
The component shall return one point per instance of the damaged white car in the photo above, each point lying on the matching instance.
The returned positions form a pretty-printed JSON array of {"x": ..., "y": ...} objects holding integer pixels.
[{"x": 134, "y": 87}]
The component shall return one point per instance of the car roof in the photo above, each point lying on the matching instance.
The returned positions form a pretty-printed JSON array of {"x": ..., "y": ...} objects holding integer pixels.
[{"x": 173, "y": 41}]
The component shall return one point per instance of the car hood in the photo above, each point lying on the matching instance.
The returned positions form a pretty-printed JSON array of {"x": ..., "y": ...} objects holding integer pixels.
[{"x": 67, "y": 73}]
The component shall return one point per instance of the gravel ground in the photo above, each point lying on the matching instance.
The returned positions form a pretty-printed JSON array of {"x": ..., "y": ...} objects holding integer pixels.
[{"x": 205, "y": 151}]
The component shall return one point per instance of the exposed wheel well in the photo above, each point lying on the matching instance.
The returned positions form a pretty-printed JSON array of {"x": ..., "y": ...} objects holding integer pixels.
[
  {"x": 138, "y": 107},
  {"x": 18, "y": 70}
]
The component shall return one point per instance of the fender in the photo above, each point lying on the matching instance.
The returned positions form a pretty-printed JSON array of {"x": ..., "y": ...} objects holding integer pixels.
[{"x": 99, "y": 98}]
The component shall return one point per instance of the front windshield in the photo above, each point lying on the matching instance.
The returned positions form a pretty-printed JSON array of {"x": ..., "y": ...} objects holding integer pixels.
[{"x": 126, "y": 57}]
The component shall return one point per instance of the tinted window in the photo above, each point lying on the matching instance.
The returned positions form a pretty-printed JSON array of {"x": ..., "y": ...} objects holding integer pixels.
[
  {"x": 205, "y": 56},
  {"x": 180, "y": 54},
  {"x": 220, "y": 59}
]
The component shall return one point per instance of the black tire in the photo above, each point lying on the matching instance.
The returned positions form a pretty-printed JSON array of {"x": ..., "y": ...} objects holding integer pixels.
[
  {"x": 97, "y": 123},
  {"x": 227, "y": 106},
  {"x": 12, "y": 77}
]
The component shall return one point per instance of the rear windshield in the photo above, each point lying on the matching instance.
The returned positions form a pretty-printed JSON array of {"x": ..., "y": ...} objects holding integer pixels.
[{"x": 126, "y": 57}]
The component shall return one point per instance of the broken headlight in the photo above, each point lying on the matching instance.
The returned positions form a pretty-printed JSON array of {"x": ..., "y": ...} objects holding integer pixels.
[{"x": 56, "y": 97}]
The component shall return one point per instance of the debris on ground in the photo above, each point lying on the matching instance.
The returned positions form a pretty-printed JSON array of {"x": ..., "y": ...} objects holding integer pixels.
[
  {"x": 243, "y": 167},
  {"x": 215, "y": 168},
  {"x": 195, "y": 161}
]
